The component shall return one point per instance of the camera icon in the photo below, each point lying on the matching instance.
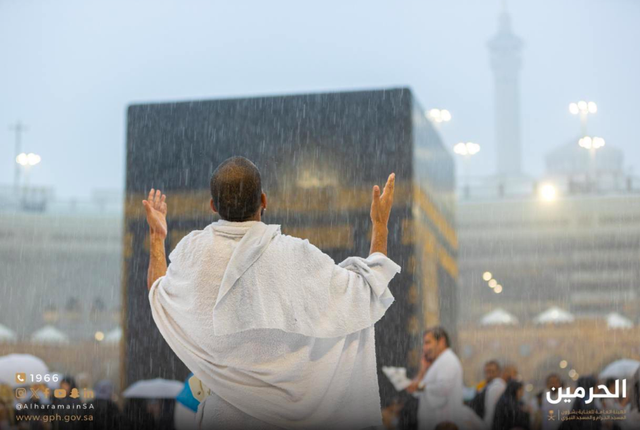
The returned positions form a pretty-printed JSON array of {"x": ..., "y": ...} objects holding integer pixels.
[{"x": 21, "y": 393}]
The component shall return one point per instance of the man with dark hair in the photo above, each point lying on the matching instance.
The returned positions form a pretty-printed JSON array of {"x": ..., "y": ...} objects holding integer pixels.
[
  {"x": 439, "y": 385},
  {"x": 438, "y": 333},
  {"x": 236, "y": 190},
  {"x": 497, "y": 379},
  {"x": 480, "y": 403},
  {"x": 278, "y": 335}
]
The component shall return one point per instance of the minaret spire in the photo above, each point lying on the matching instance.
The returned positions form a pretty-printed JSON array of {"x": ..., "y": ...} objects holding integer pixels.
[{"x": 505, "y": 48}]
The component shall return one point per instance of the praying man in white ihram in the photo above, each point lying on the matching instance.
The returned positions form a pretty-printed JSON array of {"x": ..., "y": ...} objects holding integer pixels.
[{"x": 280, "y": 335}]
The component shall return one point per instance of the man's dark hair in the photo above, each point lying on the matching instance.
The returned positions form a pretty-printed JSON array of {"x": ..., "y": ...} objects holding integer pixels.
[
  {"x": 438, "y": 333},
  {"x": 236, "y": 188},
  {"x": 493, "y": 363},
  {"x": 554, "y": 375}
]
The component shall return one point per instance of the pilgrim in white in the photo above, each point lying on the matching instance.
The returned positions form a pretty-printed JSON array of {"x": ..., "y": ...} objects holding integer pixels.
[{"x": 280, "y": 335}]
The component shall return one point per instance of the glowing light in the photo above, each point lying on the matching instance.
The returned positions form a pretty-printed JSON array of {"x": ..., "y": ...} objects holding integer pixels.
[
  {"x": 493, "y": 283},
  {"x": 548, "y": 192},
  {"x": 99, "y": 336},
  {"x": 563, "y": 364},
  {"x": 33, "y": 159},
  {"x": 439, "y": 115},
  {"x": 585, "y": 142},
  {"x": 583, "y": 107},
  {"x": 572, "y": 373},
  {"x": 598, "y": 142},
  {"x": 468, "y": 148},
  {"x": 498, "y": 289},
  {"x": 29, "y": 159},
  {"x": 487, "y": 276},
  {"x": 573, "y": 108},
  {"x": 460, "y": 148},
  {"x": 589, "y": 142},
  {"x": 473, "y": 148}
]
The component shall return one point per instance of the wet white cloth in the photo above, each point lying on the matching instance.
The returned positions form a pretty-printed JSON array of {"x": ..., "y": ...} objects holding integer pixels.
[
  {"x": 442, "y": 397},
  {"x": 184, "y": 418},
  {"x": 274, "y": 327}
]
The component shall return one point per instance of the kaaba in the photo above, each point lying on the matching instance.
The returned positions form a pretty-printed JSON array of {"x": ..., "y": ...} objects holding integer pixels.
[{"x": 319, "y": 156}]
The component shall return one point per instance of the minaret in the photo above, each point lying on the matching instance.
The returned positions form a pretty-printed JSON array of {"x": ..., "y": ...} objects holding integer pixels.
[{"x": 505, "y": 50}]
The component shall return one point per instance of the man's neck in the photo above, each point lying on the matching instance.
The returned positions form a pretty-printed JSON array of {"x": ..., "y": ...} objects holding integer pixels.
[
  {"x": 439, "y": 354},
  {"x": 257, "y": 216}
]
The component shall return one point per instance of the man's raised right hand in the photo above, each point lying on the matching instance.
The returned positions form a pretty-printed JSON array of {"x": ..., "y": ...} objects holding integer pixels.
[{"x": 381, "y": 204}]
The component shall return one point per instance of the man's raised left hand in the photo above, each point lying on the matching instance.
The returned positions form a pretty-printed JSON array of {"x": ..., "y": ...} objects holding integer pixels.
[{"x": 156, "y": 209}]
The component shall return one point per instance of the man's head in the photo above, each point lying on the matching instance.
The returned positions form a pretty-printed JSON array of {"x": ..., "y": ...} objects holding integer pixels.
[
  {"x": 611, "y": 384},
  {"x": 436, "y": 340},
  {"x": 554, "y": 381},
  {"x": 491, "y": 370},
  {"x": 509, "y": 372},
  {"x": 236, "y": 190}
]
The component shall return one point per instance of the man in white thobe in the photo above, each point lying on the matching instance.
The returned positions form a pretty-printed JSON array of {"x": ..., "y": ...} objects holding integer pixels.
[
  {"x": 497, "y": 379},
  {"x": 280, "y": 336},
  {"x": 492, "y": 391},
  {"x": 439, "y": 385}
]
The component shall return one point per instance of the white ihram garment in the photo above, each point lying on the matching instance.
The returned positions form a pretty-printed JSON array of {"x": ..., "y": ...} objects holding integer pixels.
[{"x": 281, "y": 334}]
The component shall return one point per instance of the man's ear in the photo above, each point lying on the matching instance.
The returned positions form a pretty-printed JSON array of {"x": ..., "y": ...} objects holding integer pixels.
[
  {"x": 263, "y": 200},
  {"x": 213, "y": 207}
]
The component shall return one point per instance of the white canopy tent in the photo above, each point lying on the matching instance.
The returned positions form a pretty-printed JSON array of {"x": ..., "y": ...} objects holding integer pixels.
[
  {"x": 617, "y": 321},
  {"x": 114, "y": 336},
  {"x": 498, "y": 317},
  {"x": 554, "y": 315},
  {"x": 49, "y": 335},
  {"x": 7, "y": 335}
]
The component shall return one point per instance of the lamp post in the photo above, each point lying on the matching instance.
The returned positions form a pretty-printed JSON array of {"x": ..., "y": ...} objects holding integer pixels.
[
  {"x": 466, "y": 150},
  {"x": 584, "y": 109},
  {"x": 27, "y": 161},
  {"x": 592, "y": 144},
  {"x": 18, "y": 128}
]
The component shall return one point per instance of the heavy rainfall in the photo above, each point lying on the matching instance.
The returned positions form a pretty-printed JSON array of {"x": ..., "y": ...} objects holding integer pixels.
[{"x": 409, "y": 215}]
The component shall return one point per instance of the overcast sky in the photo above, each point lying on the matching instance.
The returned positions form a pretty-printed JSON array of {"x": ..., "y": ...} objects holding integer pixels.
[{"x": 70, "y": 68}]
